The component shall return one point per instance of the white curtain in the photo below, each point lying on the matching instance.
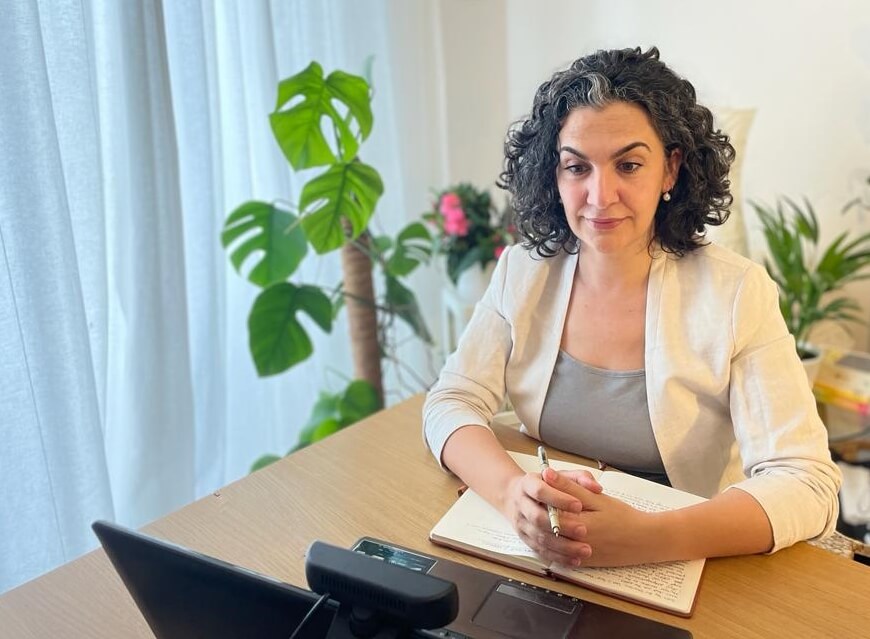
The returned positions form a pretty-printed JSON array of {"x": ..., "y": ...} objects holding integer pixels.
[
  {"x": 53, "y": 474},
  {"x": 128, "y": 131}
]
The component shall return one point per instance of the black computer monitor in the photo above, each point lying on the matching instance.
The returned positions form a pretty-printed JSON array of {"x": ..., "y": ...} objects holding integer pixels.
[{"x": 185, "y": 594}]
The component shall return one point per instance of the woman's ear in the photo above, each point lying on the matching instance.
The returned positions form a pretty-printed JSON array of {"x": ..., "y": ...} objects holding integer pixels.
[{"x": 672, "y": 167}]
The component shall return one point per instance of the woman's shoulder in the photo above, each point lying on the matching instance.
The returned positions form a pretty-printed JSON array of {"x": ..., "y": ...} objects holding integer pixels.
[
  {"x": 523, "y": 277},
  {"x": 721, "y": 263},
  {"x": 522, "y": 262}
]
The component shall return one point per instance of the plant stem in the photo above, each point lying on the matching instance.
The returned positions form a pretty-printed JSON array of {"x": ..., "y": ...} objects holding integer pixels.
[{"x": 362, "y": 317}]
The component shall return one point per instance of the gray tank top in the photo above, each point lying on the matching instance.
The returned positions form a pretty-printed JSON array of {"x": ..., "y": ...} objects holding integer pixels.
[{"x": 601, "y": 414}]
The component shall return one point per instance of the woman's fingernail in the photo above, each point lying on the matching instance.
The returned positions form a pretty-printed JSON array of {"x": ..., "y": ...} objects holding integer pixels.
[
  {"x": 576, "y": 507},
  {"x": 586, "y": 552}
]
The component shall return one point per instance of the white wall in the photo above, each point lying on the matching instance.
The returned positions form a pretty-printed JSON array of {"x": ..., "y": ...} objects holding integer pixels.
[
  {"x": 447, "y": 110},
  {"x": 805, "y": 67},
  {"x": 473, "y": 36},
  {"x": 449, "y": 117}
]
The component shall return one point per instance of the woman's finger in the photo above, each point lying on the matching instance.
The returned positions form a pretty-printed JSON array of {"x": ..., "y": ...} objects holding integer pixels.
[
  {"x": 567, "y": 486},
  {"x": 583, "y": 478},
  {"x": 533, "y": 516},
  {"x": 552, "y": 548},
  {"x": 545, "y": 493}
]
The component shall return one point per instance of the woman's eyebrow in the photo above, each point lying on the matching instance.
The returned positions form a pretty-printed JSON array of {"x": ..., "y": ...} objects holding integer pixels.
[{"x": 622, "y": 151}]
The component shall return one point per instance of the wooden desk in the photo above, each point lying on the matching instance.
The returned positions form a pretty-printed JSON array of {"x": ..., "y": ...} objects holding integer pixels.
[{"x": 378, "y": 479}]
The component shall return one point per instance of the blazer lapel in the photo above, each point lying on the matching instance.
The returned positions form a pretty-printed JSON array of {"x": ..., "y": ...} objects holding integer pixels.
[{"x": 543, "y": 337}]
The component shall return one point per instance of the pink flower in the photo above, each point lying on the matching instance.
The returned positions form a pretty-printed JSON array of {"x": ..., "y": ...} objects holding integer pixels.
[
  {"x": 455, "y": 223},
  {"x": 449, "y": 202},
  {"x": 497, "y": 251}
]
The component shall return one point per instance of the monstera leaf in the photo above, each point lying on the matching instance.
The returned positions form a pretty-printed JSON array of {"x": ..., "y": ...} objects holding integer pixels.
[
  {"x": 348, "y": 190},
  {"x": 278, "y": 237},
  {"x": 359, "y": 400},
  {"x": 332, "y": 412},
  {"x": 264, "y": 461},
  {"x": 402, "y": 302},
  {"x": 277, "y": 339},
  {"x": 298, "y": 129},
  {"x": 413, "y": 245}
]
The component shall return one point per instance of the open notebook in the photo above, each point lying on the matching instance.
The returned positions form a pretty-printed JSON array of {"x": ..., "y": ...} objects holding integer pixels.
[{"x": 472, "y": 525}]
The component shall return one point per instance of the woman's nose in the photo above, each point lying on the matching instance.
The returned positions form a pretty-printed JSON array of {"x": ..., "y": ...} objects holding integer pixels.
[{"x": 602, "y": 190}]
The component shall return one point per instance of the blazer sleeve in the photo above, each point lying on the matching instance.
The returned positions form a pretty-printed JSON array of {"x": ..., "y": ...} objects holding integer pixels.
[
  {"x": 471, "y": 386},
  {"x": 782, "y": 441}
]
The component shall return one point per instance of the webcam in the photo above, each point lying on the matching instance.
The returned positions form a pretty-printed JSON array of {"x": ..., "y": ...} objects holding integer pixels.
[{"x": 377, "y": 597}]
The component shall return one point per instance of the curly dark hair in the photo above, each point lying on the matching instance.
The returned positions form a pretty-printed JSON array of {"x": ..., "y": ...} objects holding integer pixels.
[{"x": 701, "y": 195}]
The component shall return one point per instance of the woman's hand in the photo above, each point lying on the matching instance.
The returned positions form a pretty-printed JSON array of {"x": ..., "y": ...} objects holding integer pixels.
[
  {"x": 617, "y": 534},
  {"x": 525, "y": 505}
]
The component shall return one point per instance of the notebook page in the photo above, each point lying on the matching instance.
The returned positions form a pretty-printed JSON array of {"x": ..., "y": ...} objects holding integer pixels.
[
  {"x": 670, "y": 585},
  {"x": 472, "y": 521}
]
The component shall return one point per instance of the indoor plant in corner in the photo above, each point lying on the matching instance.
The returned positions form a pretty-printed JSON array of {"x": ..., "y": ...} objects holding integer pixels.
[
  {"x": 471, "y": 233},
  {"x": 809, "y": 277},
  {"x": 319, "y": 123}
]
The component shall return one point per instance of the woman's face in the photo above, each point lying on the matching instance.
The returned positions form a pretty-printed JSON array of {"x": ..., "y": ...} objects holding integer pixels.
[{"x": 612, "y": 172}]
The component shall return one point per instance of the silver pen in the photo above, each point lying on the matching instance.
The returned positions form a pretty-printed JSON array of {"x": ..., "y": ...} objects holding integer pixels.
[{"x": 551, "y": 510}]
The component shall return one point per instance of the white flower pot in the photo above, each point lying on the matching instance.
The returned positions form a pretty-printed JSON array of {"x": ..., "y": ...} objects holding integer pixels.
[{"x": 472, "y": 283}]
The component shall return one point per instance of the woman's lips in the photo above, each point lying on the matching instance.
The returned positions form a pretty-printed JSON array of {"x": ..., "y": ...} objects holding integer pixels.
[{"x": 603, "y": 224}]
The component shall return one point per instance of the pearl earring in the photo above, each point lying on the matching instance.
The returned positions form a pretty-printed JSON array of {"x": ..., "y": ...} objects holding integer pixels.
[{"x": 666, "y": 196}]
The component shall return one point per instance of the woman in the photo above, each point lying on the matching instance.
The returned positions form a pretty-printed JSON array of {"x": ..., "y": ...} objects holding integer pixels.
[{"x": 619, "y": 333}]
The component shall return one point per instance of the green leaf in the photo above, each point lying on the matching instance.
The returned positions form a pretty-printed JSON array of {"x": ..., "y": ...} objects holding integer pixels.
[
  {"x": 792, "y": 235},
  {"x": 414, "y": 231},
  {"x": 279, "y": 238},
  {"x": 277, "y": 339},
  {"x": 299, "y": 129},
  {"x": 805, "y": 222},
  {"x": 345, "y": 191},
  {"x": 833, "y": 255},
  {"x": 354, "y": 93},
  {"x": 839, "y": 305},
  {"x": 326, "y": 428},
  {"x": 264, "y": 461},
  {"x": 298, "y": 446},
  {"x": 359, "y": 400},
  {"x": 333, "y": 412},
  {"x": 338, "y": 304},
  {"x": 861, "y": 245},
  {"x": 381, "y": 244},
  {"x": 302, "y": 443},
  {"x": 306, "y": 435},
  {"x": 413, "y": 246},
  {"x": 326, "y": 407},
  {"x": 403, "y": 303},
  {"x": 469, "y": 259}
]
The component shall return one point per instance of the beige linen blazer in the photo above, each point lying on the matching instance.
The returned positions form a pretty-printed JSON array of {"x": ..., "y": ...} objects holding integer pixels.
[{"x": 728, "y": 397}]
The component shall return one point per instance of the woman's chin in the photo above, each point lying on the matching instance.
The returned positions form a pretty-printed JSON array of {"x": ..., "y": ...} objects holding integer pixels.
[{"x": 613, "y": 245}]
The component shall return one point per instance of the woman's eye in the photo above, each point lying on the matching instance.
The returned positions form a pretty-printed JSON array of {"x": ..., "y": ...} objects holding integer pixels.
[
  {"x": 576, "y": 169},
  {"x": 629, "y": 167}
]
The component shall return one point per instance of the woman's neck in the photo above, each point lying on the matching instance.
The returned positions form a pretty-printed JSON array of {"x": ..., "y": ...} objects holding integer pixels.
[{"x": 614, "y": 272}]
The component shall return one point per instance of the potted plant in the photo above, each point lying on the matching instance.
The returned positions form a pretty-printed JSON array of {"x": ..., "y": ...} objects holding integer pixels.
[
  {"x": 320, "y": 122},
  {"x": 810, "y": 277},
  {"x": 469, "y": 231}
]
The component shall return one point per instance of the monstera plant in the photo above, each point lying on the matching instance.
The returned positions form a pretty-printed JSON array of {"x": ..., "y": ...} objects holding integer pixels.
[{"x": 320, "y": 123}]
